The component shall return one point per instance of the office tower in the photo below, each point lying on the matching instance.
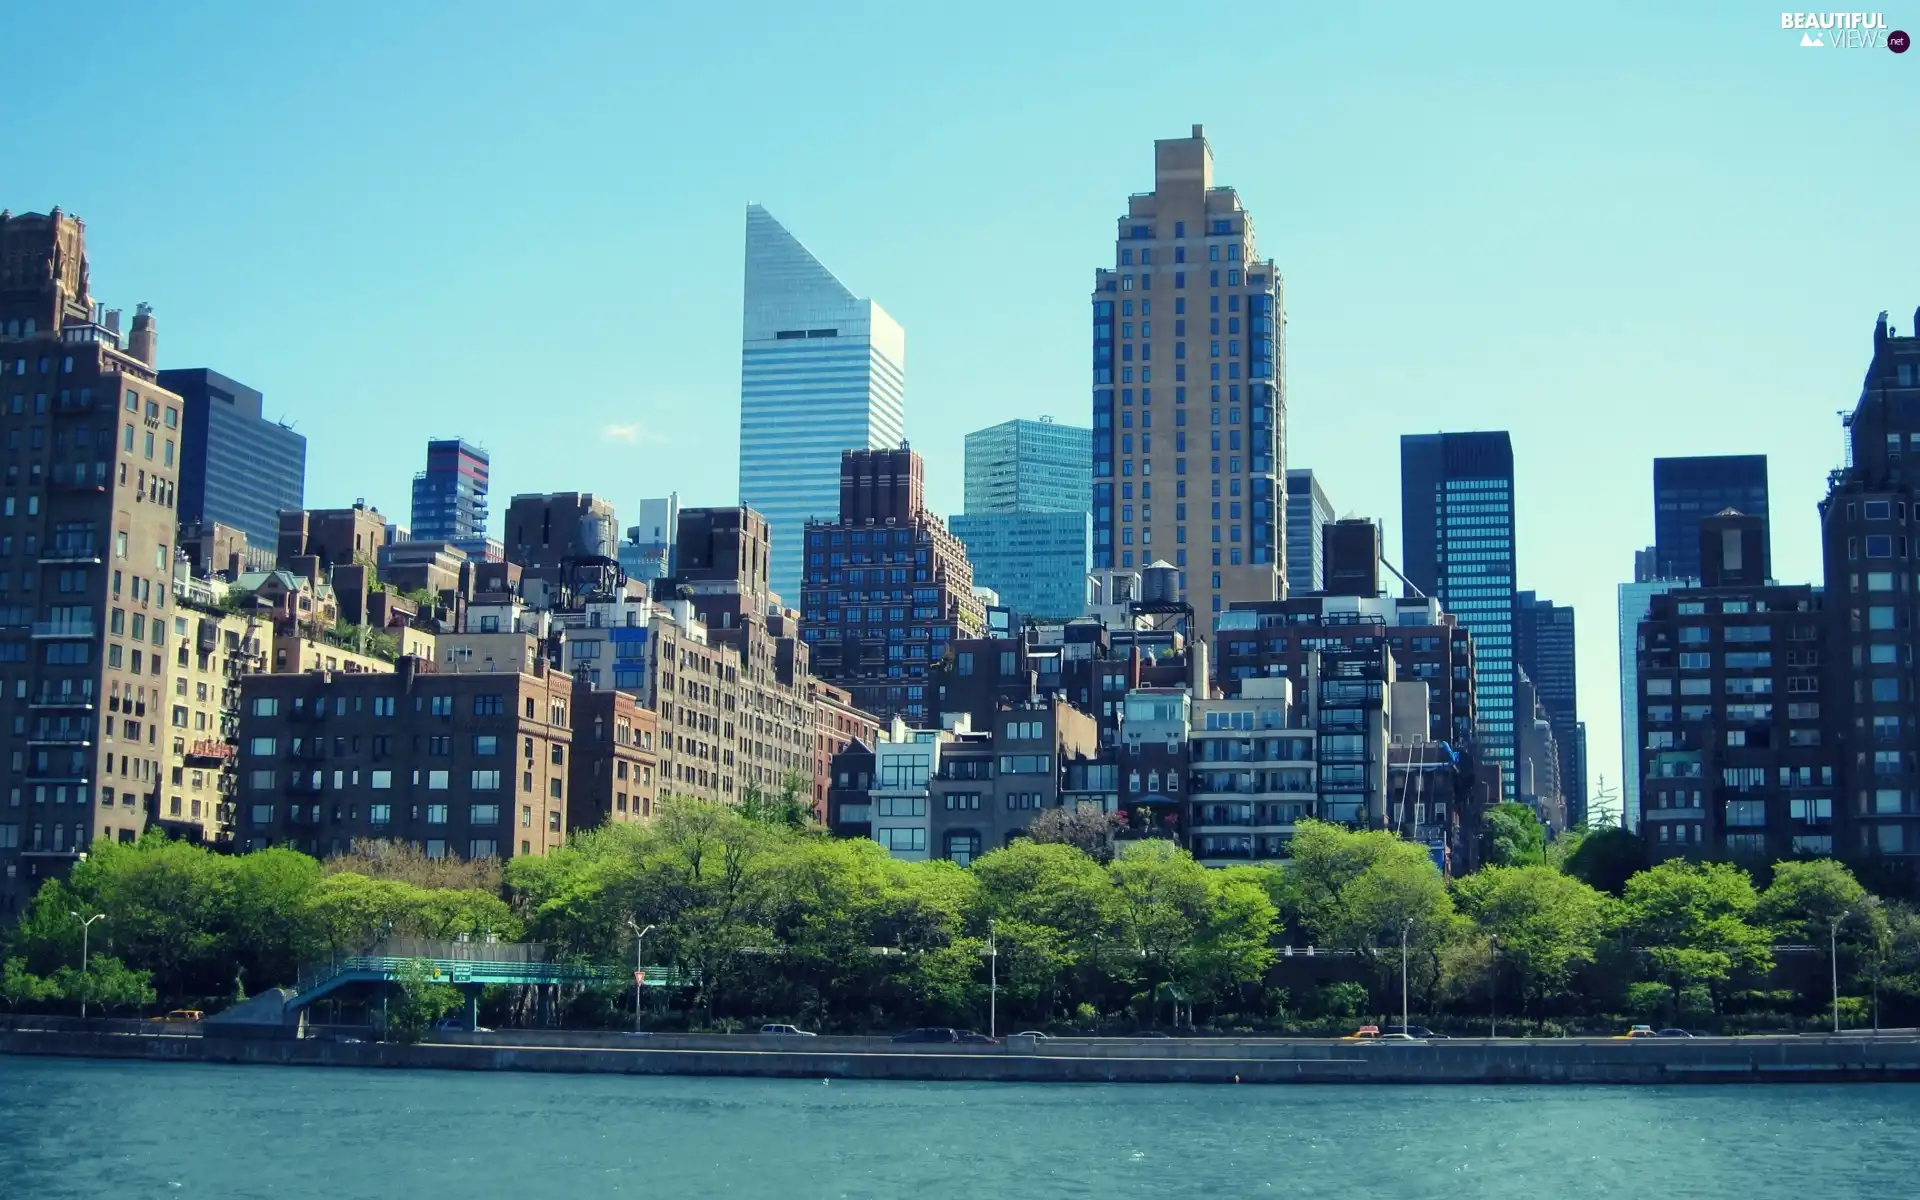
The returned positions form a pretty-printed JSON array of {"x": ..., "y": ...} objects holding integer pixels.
[
  {"x": 1349, "y": 556},
  {"x": 1308, "y": 511},
  {"x": 236, "y": 467},
  {"x": 821, "y": 371},
  {"x": 1870, "y": 532},
  {"x": 1737, "y": 757},
  {"x": 647, "y": 554},
  {"x": 86, "y": 560},
  {"x": 1688, "y": 489},
  {"x": 888, "y": 588},
  {"x": 1027, "y": 528},
  {"x": 1543, "y": 643},
  {"x": 1456, "y": 530},
  {"x": 1635, "y": 601},
  {"x": 1536, "y": 782},
  {"x": 450, "y": 496},
  {"x": 1029, "y": 466},
  {"x": 1188, "y": 298}
]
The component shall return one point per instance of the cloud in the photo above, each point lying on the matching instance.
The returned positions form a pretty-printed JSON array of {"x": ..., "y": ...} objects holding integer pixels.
[{"x": 632, "y": 433}]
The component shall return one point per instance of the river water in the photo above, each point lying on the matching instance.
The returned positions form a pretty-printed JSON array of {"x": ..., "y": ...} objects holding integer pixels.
[{"x": 85, "y": 1129}]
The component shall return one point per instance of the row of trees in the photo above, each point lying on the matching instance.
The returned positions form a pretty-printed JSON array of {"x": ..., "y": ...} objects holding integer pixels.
[{"x": 770, "y": 919}]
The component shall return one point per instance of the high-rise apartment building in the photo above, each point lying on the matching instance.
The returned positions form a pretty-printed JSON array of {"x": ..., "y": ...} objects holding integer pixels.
[
  {"x": 647, "y": 552},
  {"x": 1870, "y": 535},
  {"x": 1687, "y": 489},
  {"x": 545, "y": 531},
  {"x": 1308, "y": 510},
  {"x": 821, "y": 371},
  {"x": 1029, "y": 466},
  {"x": 87, "y": 533},
  {"x": 1189, "y": 398},
  {"x": 1543, "y": 644},
  {"x": 1457, "y": 545},
  {"x": 450, "y": 496},
  {"x": 236, "y": 467},
  {"x": 1350, "y": 557},
  {"x": 888, "y": 587},
  {"x": 1027, "y": 527}
]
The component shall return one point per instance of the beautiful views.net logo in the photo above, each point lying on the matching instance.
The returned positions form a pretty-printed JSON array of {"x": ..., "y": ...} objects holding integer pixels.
[{"x": 1846, "y": 31}]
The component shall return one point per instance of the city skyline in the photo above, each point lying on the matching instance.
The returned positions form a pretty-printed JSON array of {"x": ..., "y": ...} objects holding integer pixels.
[{"x": 1748, "y": 346}]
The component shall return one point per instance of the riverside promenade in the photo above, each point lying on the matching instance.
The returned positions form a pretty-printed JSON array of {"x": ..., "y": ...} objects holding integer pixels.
[{"x": 1891, "y": 1057}]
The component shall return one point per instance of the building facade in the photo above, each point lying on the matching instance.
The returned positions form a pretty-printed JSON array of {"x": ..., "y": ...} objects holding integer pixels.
[
  {"x": 821, "y": 371},
  {"x": 547, "y": 531},
  {"x": 888, "y": 587},
  {"x": 1635, "y": 601},
  {"x": 647, "y": 552},
  {"x": 1189, "y": 299},
  {"x": 1543, "y": 645},
  {"x": 1308, "y": 510},
  {"x": 236, "y": 467},
  {"x": 86, "y": 559},
  {"x": 213, "y": 650},
  {"x": 1036, "y": 562},
  {"x": 450, "y": 496},
  {"x": 1029, "y": 466},
  {"x": 463, "y": 766},
  {"x": 616, "y": 763},
  {"x": 1457, "y": 545},
  {"x": 1685, "y": 490}
]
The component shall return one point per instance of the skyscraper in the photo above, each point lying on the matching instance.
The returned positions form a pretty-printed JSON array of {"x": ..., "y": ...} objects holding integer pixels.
[
  {"x": 85, "y": 631},
  {"x": 1029, "y": 466},
  {"x": 1218, "y": 407},
  {"x": 450, "y": 496},
  {"x": 1027, "y": 526},
  {"x": 821, "y": 371},
  {"x": 647, "y": 554},
  {"x": 1308, "y": 509},
  {"x": 1457, "y": 545},
  {"x": 236, "y": 467},
  {"x": 1635, "y": 601},
  {"x": 1688, "y": 489},
  {"x": 1543, "y": 635}
]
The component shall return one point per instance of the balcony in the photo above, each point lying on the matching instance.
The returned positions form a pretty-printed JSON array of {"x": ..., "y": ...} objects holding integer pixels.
[
  {"x": 208, "y": 753},
  {"x": 65, "y": 629},
  {"x": 62, "y": 700},
  {"x": 71, "y": 552},
  {"x": 60, "y": 737}
]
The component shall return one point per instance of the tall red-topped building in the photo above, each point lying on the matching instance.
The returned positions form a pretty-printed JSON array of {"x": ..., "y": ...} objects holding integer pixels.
[
  {"x": 887, "y": 588},
  {"x": 87, "y": 538}
]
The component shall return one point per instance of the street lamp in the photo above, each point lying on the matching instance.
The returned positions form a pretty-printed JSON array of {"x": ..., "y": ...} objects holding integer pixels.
[
  {"x": 1405, "y": 926},
  {"x": 86, "y": 927},
  {"x": 993, "y": 983},
  {"x": 639, "y": 965},
  {"x": 1493, "y": 985},
  {"x": 1833, "y": 959}
]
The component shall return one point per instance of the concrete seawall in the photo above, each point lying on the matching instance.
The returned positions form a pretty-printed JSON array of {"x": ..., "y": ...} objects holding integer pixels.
[{"x": 1716, "y": 1060}]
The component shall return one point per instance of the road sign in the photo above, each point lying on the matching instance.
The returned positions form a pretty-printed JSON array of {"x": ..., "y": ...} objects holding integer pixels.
[{"x": 639, "y": 977}]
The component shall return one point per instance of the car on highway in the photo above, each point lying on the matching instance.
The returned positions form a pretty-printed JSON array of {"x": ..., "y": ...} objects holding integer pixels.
[
  {"x": 1673, "y": 1033},
  {"x": 1638, "y": 1031},
  {"x": 449, "y": 1025},
  {"x": 784, "y": 1031},
  {"x": 182, "y": 1014},
  {"x": 968, "y": 1035},
  {"x": 929, "y": 1034},
  {"x": 1419, "y": 1031},
  {"x": 1366, "y": 1033},
  {"x": 1035, "y": 1034}
]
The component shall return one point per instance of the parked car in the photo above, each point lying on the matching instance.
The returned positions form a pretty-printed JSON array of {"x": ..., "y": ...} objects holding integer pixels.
[
  {"x": 928, "y": 1033},
  {"x": 1035, "y": 1034},
  {"x": 1673, "y": 1033},
  {"x": 1364, "y": 1033},
  {"x": 449, "y": 1025},
  {"x": 784, "y": 1031},
  {"x": 968, "y": 1035},
  {"x": 1638, "y": 1031},
  {"x": 182, "y": 1014},
  {"x": 1418, "y": 1031}
]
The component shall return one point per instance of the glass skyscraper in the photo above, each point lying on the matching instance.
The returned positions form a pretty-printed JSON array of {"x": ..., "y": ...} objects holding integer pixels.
[
  {"x": 821, "y": 371},
  {"x": 1687, "y": 489},
  {"x": 236, "y": 467},
  {"x": 450, "y": 496},
  {"x": 1457, "y": 545},
  {"x": 647, "y": 554},
  {"x": 1029, "y": 466},
  {"x": 1308, "y": 509}
]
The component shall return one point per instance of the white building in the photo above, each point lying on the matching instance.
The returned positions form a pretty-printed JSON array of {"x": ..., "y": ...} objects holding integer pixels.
[{"x": 821, "y": 371}]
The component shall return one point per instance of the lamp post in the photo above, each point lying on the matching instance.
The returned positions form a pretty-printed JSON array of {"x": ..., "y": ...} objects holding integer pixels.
[
  {"x": 1493, "y": 985},
  {"x": 86, "y": 927},
  {"x": 1405, "y": 926},
  {"x": 639, "y": 965},
  {"x": 1833, "y": 960},
  {"x": 993, "y": 983}
]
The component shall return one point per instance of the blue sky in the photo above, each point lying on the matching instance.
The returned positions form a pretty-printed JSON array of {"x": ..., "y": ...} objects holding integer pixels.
[{"x": 1617, "y": 233}]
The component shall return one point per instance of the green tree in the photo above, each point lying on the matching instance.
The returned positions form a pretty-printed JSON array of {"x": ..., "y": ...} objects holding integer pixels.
[
  {"x": 1052, "y": 905},
  {"x": 1548, "y": 924},
  {"x": 1087, "y": 830},
  {"x": 1161, "y": 897},
  {"x": 271, "y": 928},
  {"x": 419, "y": 1000},
  {"x": 20, "y": 986},
  {"x": 107, "y": 985},
  {"x": 1807, "y": 898},
  {"x": 1606, "y": 858},
  {"x": 1511, "y": 836},
  {"x": 1325, "y": 859},
  {"x": 1692, "y": 925},
  {"x": 165, "y": 902}
]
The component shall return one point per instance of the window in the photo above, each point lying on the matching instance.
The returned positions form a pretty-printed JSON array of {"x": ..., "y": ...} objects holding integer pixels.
[
  {"x": 436, "y": 781},
  {"x": 485, "y": 781},
  {"x": 482, "y": 848},
  {"x": 380, "y": 780},
  {"x": 380, "y": 814},
  {"x": 263, "y": 746},
  {"x": 908, "y": 839},
  {"x": 483, "y": 814},
  {"x": 963, "y": 847},
  {"x": 436, "y": 814},
  {"x": 489, "y": 706},
  {"x": 485, "y": 745},
  {"x": 263, "y": 706}
]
